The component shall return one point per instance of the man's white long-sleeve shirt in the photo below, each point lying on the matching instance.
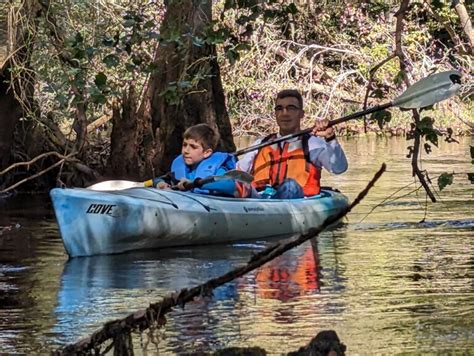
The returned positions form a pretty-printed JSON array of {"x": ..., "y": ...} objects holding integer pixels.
[{"x": 327, "y": 155}]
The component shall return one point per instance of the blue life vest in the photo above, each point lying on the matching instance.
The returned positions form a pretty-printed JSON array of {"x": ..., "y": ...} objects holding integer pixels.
[{"x": 207, "y": 167}]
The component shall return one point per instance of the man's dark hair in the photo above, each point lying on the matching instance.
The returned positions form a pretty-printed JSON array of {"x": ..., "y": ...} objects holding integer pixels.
[
  {"x": 204, "y": 134},
  {"x": 291, "y": 93}
]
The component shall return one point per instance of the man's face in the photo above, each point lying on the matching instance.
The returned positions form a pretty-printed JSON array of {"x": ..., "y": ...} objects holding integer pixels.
[
  {"x": 288, "y": 115},
  {"x": 193, "y": 152}
]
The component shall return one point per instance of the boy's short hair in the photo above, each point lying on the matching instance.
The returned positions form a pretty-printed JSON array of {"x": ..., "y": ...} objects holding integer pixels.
[
  {"x": 291, "y": 93},
  {"x": 204, "y": 134}
]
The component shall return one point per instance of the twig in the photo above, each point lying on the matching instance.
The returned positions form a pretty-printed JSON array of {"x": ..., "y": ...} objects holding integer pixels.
[
  {"x": 141, "y": 319},
  {"x": 35, "y": 175},
  {"x": 19, "y": 164},
  {"x": 386, "y": 199}
]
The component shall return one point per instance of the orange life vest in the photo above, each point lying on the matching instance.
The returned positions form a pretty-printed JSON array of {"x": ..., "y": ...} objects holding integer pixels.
[{"x": 275, "y": 163}]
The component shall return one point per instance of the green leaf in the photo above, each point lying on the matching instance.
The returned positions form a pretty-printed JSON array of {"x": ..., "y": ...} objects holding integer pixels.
[
  {"x": 381, "y": 117},
  {"x": 198, "y": 41},
  {"x": 136, "y": 60},
  {"x": 90, "y": 52},
  {"x": 100, "y": 80},
  {"x": 184, "y": 84},
  {"x": 291, "y": 9},
  {"x": 232, "y": 55},
  {"x": 377, "y": 93},
  {"x": 437, "y": 4},
  {"x": 79, "y": 53},
  {"x": 444, "y": 180},
  {"x": 470, "y": 176},
  {"x": 149, "y": 24},
  {"x": 79, "y": 80},
  {"x": 242, "y": 20},
  {"x": 108, "y": 42},
  {"x": 98, "y": 98},
  {"x": 398, "y": 80},
  {"x": 269, "y": 14},
  {"x": 426, "y": 123},
  {"x": 78, "y": 38},
  {"x": 111, "y": 60},
  {"x": 129, "y": 23},
  {"x": 432, "y": 136},
  {"x": 427, "y": 148},
  {"x": 242, "y": 47},
  {"x": 229, "y": 4}
]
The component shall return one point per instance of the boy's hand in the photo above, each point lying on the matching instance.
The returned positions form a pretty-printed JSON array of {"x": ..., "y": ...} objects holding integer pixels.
[
  {"x": 321, "y": 129},
  {"x": 163, "y": 185},
  {"x": 182, "y": 184}
]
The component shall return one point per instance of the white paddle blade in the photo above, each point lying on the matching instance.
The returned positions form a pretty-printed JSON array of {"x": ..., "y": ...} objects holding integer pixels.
[
  {"x": 116, "y": 185},
  {"x": 430, "y": 90}
]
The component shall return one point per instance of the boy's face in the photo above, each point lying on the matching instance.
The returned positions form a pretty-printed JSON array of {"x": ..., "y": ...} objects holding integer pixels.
[
  {"x": 193, "y": 152},
  {"x": 288, "y": 115}
]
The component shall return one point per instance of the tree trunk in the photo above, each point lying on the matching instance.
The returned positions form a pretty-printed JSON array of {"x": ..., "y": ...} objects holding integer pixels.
[
  {"x": 132, "y": 145},
  {"x": 466, "y": 24},
  {"x": 16, "y": 92},
  {"x": 187, "y": 84},
  {"x": 10, "y": 113}
]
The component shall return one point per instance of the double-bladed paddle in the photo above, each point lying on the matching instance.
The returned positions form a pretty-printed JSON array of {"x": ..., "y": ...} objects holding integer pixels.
[
  {"x": 234, "y": 174},
  {"x": 426, "y": 92}
]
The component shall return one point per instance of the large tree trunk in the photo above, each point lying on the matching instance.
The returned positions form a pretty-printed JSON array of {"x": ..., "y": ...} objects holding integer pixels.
[
  {"x": 10, "y": 113},
  {"x": 187, "y": 87},
  {"x": 132, "y": 143},
  {"x": 16, "y": 92}
]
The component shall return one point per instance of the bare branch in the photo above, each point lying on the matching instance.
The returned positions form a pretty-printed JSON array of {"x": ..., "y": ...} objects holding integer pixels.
[
  {"x": 404, "y": 67},
  {"x": 64, "y": 159}
]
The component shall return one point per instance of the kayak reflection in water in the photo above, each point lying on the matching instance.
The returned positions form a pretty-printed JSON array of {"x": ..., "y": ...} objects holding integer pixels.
[{"x": 292, "y": 169}]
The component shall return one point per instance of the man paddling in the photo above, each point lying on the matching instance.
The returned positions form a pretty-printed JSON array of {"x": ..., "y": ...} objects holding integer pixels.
[{"x": 292, "y": 169}]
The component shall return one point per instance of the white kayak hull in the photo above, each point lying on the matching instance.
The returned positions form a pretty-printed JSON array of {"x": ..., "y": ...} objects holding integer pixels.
[{"x": 105, "y": 222}]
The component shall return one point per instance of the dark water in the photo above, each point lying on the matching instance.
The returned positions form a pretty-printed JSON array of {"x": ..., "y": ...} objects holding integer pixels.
[{"x": 385, "y": 283}]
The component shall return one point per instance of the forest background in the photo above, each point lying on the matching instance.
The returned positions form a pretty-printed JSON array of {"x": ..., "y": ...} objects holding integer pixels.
[{"x": 91, "y": 89}]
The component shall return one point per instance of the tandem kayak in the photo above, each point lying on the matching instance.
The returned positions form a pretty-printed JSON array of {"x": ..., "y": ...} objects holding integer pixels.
[{"x": 95, "y": 222}]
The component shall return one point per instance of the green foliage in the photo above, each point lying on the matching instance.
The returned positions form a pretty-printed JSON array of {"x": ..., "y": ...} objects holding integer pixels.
[
  {"x": 262, "y": 47},
  {"x": 444, "y": 180},
  {"x": 382, "y": 117},
  {"x": 108, "y": 49}
]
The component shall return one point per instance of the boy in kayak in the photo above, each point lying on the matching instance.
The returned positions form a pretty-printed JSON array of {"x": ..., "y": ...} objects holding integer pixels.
[
  {"x": 292, "y": 169},
  {"x": 198, "y": 160}
]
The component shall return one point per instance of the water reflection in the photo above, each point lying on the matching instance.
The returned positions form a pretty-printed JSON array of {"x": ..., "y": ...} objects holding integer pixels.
[
  {"x": 107, "y": 287},
  {"x": 384, "y": 282}
]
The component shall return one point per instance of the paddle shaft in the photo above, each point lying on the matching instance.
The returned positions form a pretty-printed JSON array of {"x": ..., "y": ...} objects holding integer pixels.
[
  {"x": 306, "y": 131},
  {"x": 234, "y": 174},
  {"x": 198, "y": 183}
]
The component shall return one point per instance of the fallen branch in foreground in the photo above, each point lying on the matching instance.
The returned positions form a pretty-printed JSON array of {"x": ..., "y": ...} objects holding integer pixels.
[{"x": 120, "y": 330}]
